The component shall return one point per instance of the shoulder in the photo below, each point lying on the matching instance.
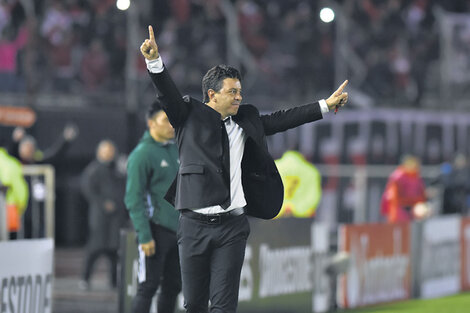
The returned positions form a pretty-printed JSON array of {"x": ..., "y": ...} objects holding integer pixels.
[
  {"x": 187, "y": 98},
  {"x": 248, "y": 110},
  {"x": 192, "y": 102},
  {"x": 397, "y": 174},
  {"x": 92, "y": 169},
  {"x": 140, "y": 153}
]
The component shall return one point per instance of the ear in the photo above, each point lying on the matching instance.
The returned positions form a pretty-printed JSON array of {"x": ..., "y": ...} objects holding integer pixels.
[
  {"x": 211, "y": 94},
  {"x": 149, "y": 123}
]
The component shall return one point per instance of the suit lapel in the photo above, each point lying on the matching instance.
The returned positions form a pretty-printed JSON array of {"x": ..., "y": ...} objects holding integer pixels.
[{"x": 243, "y": 120}]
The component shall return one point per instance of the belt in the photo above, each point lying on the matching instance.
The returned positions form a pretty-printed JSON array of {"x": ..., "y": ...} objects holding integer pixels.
[{"x": 213, "y": 219}]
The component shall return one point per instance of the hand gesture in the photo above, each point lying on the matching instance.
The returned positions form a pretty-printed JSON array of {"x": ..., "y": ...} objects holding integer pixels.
[
  {"x": 149, "y": 47},
  {"x": 338, "y": 98},
  {"x": 18, "y": 134},
  {"x": 148, "y": 248},
  {"x": 109, "y": 206},
  {"x": 70, "y": 132}
]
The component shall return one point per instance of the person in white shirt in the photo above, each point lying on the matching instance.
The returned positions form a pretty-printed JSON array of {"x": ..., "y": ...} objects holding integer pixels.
[{"x": 225, "y": 173}]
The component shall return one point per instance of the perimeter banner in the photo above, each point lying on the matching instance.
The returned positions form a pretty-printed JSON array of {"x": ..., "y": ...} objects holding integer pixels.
[
  {"x": 465, "y": 250},
  {"x": 380, "y": 264},
  {"x": 17, "y": 116},
  {"x": 26, "y": 276},
  {"x": 440, "y": 259},
  {"x": 283, "y": 270}
]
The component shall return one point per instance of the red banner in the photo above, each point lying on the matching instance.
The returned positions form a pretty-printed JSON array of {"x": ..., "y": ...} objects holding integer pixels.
[
  {"x": 380, "y": 264},
  {"x": 17, "y": 116},
  {"x": 465, "y": 253}
]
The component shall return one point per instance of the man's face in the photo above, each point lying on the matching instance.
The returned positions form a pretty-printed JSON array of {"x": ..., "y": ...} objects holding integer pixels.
[
  {"x": 26, "y": 151},
  {"x": 106, "y": 152},
  {"x": 160, "y": 127},
  {"x": 412, "y": 165},
  {"x": 227, "y": 100}
]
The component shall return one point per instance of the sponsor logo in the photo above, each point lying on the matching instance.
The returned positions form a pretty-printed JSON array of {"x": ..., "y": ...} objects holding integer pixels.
[
  {"x": 376, "y": 275},
  {"x": 30, "y": 293}
]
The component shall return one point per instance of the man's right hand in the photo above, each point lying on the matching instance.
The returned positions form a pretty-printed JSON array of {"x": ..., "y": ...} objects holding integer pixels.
[
  {"x": 70, "y": 132},
  {"x": 18, "y": 134},
  {"x": 338, "y": 98},
  {"x": 149, "y": 47},
  {"x": 148, "y": 248}
]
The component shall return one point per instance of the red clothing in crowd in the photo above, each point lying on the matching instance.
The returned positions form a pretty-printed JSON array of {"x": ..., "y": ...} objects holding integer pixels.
[
  {"x": 404, "y": 189},
  {"x": 9, "y": 51}
]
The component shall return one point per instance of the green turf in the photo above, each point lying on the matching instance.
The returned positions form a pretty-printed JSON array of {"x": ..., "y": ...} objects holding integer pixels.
[{"x": 454, "y": 304}]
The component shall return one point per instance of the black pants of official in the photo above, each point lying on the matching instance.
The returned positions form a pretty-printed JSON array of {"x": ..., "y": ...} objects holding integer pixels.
[
  {"x": 93, "y": 254},
  {"x": 161, "y": 269},
  {"x": 211, "y": 259}
]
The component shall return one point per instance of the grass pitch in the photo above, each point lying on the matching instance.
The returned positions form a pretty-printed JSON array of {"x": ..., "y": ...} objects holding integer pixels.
[{"x": 453, "y": 304}]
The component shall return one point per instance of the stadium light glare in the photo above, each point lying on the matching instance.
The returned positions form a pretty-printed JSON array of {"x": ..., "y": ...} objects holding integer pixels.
[
  {"x": 327, "y": 15},
  {"x": 123, "y": 4}
]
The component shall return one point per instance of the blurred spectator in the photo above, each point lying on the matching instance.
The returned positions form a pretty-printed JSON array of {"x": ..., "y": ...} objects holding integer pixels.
[
  {"x": 251, "y": 21},
  {"x": 57, "y": 22},
  {"x": 12, "y": 40},
  {"x": 24, "y": 147},
  {"x": 103, "y": 187},
  {"x": 394, "y": 44},
  {"x": 152, "y": 168},
  {"x": 11, "y": 175},
  {"x": 95, "y": 65},
  {"x": 404, "y": 193},
  {"x": 302, "y": 185},
  {"x": 455, "y": 180}
]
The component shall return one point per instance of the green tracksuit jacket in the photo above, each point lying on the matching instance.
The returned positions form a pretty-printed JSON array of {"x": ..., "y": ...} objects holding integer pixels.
[{"x": 151, "y": 168}]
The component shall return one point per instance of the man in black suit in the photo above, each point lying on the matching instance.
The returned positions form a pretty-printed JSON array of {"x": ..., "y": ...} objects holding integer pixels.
[{"x": 225, "y": 173}]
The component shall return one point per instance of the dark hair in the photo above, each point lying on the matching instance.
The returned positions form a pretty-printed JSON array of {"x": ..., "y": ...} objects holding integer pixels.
[
  {"x": 214, "y": 79},
  {"x": 155, "y": 107}
]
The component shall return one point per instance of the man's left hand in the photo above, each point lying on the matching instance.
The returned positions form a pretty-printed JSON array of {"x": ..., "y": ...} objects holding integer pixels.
[
  {"x": 109, "y": 206},
  {"x": 70, "y": 132},
  {"x": 338, "y": 98}
]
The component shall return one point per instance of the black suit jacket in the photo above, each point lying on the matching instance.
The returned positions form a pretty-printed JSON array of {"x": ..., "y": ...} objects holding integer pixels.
[{"x": 204, "y": 175}]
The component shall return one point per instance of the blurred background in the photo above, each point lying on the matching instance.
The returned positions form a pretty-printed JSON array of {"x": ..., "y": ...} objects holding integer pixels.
[{"x": 76, "y": 67}]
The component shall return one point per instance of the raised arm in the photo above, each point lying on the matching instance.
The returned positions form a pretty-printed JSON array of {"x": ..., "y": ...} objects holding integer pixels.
[
  {"x": 177, "y": 109},
  {"x": 285, "y": 119}
]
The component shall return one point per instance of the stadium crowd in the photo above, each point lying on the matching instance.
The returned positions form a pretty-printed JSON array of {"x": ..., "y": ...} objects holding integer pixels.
[{"x": 78, "y": 46}]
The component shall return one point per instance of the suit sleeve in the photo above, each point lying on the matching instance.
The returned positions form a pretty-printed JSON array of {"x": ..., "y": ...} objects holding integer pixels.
[
  {"x": 286, "y": 119},
  {"x": 176, "y": 108}
]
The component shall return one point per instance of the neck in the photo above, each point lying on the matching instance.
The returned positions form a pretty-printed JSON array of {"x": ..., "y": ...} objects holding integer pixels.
[{"x": 212, "y": 105}]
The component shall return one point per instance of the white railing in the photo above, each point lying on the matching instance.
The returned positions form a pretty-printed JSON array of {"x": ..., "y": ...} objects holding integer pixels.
[{"x": 363, "y": 195}]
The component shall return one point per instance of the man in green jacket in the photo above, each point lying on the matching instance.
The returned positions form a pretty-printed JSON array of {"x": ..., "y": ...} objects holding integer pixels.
[{"x": 151, "y": 169}]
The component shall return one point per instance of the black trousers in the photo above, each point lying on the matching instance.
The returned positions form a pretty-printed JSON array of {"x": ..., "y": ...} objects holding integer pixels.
[
  {"x": 211, "y": 257},
  {"x": 92, "y": 256},
  {"x": 161, "y": 269}
]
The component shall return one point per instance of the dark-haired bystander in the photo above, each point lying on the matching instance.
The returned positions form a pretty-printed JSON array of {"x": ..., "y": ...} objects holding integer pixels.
[{"x": 151, "y": 168}]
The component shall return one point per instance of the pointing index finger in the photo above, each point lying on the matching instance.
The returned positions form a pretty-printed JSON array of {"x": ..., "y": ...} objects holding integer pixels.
[
  {"x": 340, "y": 89},
  {"x": 151, "y": 35}
]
